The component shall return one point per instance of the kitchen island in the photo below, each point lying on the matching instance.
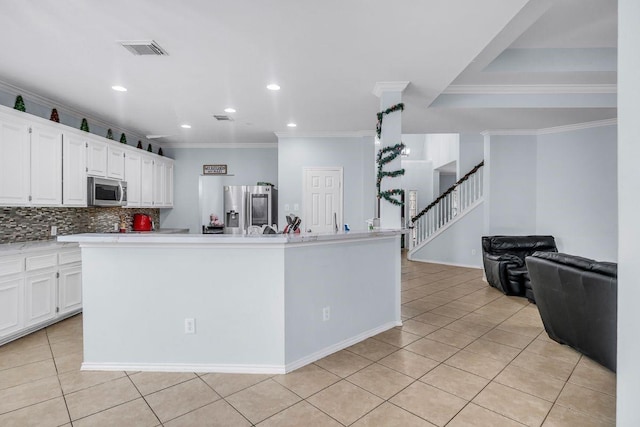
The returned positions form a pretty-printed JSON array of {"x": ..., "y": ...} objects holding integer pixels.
[{"x": 224, "y": 303}]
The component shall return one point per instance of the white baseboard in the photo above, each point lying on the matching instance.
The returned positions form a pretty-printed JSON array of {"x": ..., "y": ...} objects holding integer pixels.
[
  {"x": 453, "y": 264},
  {"x": 185, "y": 367},
  {"x": 238, "y": 369},
  {"x": 340, "y": 346}
]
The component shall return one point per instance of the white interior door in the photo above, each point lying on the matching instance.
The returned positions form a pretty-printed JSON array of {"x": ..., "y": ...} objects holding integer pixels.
[{"x": 322, "y": 199}]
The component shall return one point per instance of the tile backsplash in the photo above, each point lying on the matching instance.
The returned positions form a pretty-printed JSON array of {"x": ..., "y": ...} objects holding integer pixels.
[{"x": 25, "y": 224}]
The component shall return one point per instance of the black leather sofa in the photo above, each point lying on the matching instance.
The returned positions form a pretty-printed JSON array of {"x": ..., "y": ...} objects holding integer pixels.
[
  {"x": 578, "y": 302},
  {"x": 504, "y": 261}
]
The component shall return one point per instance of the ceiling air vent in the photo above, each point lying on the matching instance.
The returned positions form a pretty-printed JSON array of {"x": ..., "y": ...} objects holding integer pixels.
[
  {"x": 223, "y": 118},
  {"x": 144, "y": 47}
]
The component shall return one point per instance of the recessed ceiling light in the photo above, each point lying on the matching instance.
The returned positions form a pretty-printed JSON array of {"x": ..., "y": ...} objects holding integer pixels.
[
  {"x": 292, "y": 125},
  {"x": 185, "y": 126},
  {"x": 229, "y": 110},
  {"x": 273, "y": 86},
  {"x": 119, "y": 88}
]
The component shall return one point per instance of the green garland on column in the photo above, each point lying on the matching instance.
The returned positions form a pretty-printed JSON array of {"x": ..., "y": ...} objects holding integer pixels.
[
  {"x": 387, "y": 155},
  {"x": 381, "y": 114}
]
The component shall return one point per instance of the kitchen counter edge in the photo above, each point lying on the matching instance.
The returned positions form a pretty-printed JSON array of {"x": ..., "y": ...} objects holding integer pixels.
[{"x": 183, "y": 238}]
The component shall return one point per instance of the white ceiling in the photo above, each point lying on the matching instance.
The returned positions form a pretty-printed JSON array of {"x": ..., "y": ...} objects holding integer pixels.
[{"x": 327, "y": 57}]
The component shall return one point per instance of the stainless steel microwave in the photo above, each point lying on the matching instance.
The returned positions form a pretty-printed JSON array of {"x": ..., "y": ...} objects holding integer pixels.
[{"x": 106, "y": 192}]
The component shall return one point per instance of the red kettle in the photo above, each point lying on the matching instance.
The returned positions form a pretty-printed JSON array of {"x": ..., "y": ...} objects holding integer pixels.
[{"x": 142, "y": 222}]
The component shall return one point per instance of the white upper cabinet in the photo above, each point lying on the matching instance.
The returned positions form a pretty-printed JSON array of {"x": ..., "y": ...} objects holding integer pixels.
[
  {"x": 74, "y": 170},
  {"x": 158, "y": 183},
  {"x": 43, "y": 163},
  {"x": 46, "y": 165},
  {"x": 96, "y": 158},
  {"x": 132, "y": 174},
  {"x": 146, "y": 181},
  {"x": 115, "y": 161},
  {"x": 14, "y": 161},
  {"x": 168, "y": 183}
]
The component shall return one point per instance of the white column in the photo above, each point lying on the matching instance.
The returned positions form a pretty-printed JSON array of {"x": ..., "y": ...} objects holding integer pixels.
[
  {"x": 390, "y": 94},
  {"x": 628, "y": 388}
]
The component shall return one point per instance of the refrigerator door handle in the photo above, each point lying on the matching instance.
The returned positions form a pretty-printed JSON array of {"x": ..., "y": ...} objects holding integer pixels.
[{"x": 247, "y": 212}]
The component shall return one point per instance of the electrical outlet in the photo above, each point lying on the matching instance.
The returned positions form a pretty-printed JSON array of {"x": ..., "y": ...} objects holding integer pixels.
[
  {"x": 296, "y": 207},
  {"x": 326, "y": 313},
  {"x": 115, "y": 226},
  {"x": 473, "y": 251},
  {"x": 54, "y": 230},
  {"x": 286, "y": 207},
  {"x": 189, "y": 326}
]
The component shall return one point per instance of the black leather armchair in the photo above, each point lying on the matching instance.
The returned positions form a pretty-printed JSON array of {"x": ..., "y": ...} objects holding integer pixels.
[
  {"x": 504, "y": 261},
  {"x": 578, "y": 302}
]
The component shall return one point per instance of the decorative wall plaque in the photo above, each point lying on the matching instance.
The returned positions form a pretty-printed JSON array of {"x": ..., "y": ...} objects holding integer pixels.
[{"x": 214, "y": 169}]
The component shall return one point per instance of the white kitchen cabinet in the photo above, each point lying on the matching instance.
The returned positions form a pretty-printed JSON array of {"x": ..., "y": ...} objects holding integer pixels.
[
  {"x": 96, "y": 158},
  {"x": 163, "y": 183},
  {"x": 11, "y": 300},
  {"x": 168, "y": 183},
  {"x": 132, "y": 174},
  {"x": 158, "y": 183},
  {"x": 14, "y": 161},
  {"x": 74, "y": 170},
  {"x": 146, "y": 181},
  {"x": 115, "y": 161},
  {"x": 46, "y": 165},
  {"x": 38, "y": 286},
  {"x": 69, "y": 288},
  {"x": 40, "y": 297}
]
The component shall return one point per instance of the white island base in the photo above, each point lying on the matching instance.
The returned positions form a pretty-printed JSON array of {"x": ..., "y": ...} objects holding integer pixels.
[{"x": 260, "y": 304}]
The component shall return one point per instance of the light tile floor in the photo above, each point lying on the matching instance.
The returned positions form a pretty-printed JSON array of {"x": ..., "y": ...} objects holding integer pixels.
[{"x": 466, "y": 356}]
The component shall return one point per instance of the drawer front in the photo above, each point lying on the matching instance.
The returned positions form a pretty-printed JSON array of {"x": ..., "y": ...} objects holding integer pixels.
[
  {"x": 11, "y": 266},
  {"x": 41, "y": 261},
  {"x": 69, "y": 257}
]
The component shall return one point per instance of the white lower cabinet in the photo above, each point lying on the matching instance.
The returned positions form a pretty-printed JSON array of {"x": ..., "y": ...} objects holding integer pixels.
[
  {"x": 38, "y": 287},
  {"x": 11, "y": 299},
  {"x": 40, "y": 297},
  {"x": 70, "y": 288}
]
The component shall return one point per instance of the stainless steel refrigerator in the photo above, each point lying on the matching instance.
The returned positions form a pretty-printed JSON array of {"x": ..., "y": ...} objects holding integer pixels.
[{"x": 249, "y": 206}]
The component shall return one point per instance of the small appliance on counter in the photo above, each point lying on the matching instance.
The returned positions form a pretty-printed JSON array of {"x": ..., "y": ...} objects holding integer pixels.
[{"x": 142, "y": 222}]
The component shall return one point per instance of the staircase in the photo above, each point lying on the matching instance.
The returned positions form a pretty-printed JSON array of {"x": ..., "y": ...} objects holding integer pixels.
[{"x": 449, "y": 207}]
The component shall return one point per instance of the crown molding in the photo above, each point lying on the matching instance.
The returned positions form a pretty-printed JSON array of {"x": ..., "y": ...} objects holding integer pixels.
[
  {"x": 354, "y": 134},
  {"x": 552, "y": 130},
  {"x": 518, "y": 132},
  {"x": 221, "y": 145},
  {"x": 380, "y": 87},
  {"x": 44, "y": 101},
  {"x": 530, "y": 89},
  {"x": 578, "y": 126}
]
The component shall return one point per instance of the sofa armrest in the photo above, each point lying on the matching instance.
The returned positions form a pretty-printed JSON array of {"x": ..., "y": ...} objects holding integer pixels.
[
  {"x": 511, "y": 259},
  {"x": 497, "y": 267}
]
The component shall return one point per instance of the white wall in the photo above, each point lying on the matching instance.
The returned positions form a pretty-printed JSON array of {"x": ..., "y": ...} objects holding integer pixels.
[
  {"x": 418, "y": 175},
  {"x": 577, "y": 191},
  {"x": 459, "y": 245},
  {"x": 417, "y": 144},
  {"x": 248, "y": 165},
  {"x": 442, "y": 148},
  {"x": 446, "y": 181},
  {"x": 628, "y": 388},
  {"x": 353, "y": 154},
  {"x": 470, "y": 152},
  {"x": 510, "y": 184}
]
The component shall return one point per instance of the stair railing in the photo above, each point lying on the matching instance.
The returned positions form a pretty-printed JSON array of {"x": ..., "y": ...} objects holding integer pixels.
[{"x": 453, "y": 202}]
